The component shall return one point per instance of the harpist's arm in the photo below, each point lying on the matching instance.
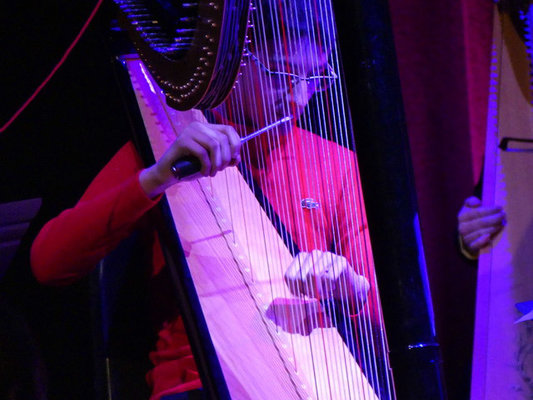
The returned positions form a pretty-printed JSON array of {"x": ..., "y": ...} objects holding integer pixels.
[
  {"x": 215, "y": 146},
  {"x": 71, "y": 244}
]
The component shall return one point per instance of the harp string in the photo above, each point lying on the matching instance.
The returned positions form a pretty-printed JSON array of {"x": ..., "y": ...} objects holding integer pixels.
[
  {"x": 318, "y": 239},
  {"x": 328, "y": 103},
  {"x": 329, "y": 118},
  {"x": 328, "y": 122},
  {"x": 235, "y": 113},
  {"x": 274, "y": 141},
  {"x": 323, "y": 121},
  {"x": 364, "y": 258},
  {"x": 318, "y": 161}
]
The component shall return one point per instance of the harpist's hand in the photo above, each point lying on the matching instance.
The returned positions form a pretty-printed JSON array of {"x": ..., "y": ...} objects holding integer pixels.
[
  {"x": 216, "y": 146},
  {"x": 322, "y": 274},
  {"x": 477, "y": 225}
]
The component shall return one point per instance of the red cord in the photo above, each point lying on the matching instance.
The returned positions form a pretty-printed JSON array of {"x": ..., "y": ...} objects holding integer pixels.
[{"x": 54, "y": 70}]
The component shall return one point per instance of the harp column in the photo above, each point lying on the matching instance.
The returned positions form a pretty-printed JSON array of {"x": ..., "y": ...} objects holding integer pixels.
[{"x": 388, "y": 185}]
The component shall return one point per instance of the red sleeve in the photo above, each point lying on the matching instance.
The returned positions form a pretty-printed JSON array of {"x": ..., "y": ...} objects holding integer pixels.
[{"x": 70, "y": 245}]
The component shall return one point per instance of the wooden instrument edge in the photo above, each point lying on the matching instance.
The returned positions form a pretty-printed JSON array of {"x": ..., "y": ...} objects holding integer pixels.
[
  {"x": 200, "y": 213},
  {"x": 501, "y": 365}
]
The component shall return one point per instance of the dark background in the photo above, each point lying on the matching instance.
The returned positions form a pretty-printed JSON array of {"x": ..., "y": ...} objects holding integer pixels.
[
  {"x": 78, "y": 122},
  {"x": 52, "y": 151}
]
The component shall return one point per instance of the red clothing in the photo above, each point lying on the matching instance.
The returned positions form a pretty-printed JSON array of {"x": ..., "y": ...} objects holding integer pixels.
[
  {"x": 114, "y": 205},
  {"x": 301, "y": 167},
  {"x": 69, "y": 246}
]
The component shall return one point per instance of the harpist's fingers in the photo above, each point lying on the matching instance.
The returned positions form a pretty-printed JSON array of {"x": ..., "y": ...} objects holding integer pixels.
[
  {"x": 225, "y": 150},
  {"x": 471, "y": 237},
  {"x": 234, "y": 140},
  {"x": 481, "y": 242},
  {"x": 352, "y": 288},
  {"x": 208, "y": 139},
  {"x": 316, "y": 265},
  {"x": 296, "y": 274},
  {"x": 492, "y": 221},
  {"x": 202, "y": 154},
  {"x": 473, "y": 214},
  {"x": 472, "y": 202}
]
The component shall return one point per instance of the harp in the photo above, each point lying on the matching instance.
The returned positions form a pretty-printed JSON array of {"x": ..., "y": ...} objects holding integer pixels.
[
  {"x": 502, "y": 362},
  {"x": 248, "y": 314}
]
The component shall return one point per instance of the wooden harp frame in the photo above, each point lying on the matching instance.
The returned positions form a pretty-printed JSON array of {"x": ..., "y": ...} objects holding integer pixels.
[
  {"x": 414, "y": 348},
  {"x": 195, "y": 59},
  {"x": 502, "y": 362}
]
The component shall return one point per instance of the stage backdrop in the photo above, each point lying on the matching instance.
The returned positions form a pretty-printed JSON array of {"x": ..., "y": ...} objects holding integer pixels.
[{"x": 443, "y": 54}]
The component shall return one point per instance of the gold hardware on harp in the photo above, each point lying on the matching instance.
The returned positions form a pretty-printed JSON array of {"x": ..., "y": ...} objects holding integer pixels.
[{"x": 181, "y": 52}]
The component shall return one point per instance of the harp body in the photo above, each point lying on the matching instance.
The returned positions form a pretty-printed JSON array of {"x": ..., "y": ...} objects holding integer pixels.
[
  {"x": 269, "y": 343},
  {"x": 503, "y": 348},
  {"x": 239, "y": 283},
  {"x": 192, "y": 49}
]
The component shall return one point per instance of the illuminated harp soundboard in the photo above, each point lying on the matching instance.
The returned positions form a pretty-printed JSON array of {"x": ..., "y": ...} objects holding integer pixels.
[
  {"x": 197, "y": 61},
  {"x": 503, "y": 341}
]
